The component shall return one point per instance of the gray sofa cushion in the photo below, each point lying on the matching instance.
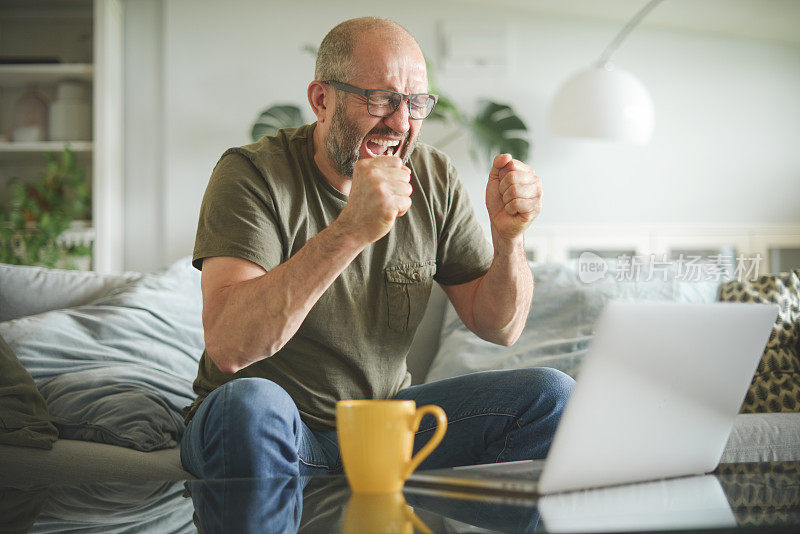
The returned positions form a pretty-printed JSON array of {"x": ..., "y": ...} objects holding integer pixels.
[
  {"x": 767, "y": 437},
  {"x": 114, "y": 406},
  {"x": 53, "y": 288},
  {"x": 141, "y": 342},
  {"x": 154, "y": 322}
]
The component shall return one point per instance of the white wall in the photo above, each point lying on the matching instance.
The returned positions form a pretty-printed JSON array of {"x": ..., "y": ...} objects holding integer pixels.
[
  {"x": 143, "y": 137},
  {"x": 724, "y": 149}
]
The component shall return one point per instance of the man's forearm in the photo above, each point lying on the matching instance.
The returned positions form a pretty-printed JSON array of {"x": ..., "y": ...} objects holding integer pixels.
[
  {"x": 502, "y": 299},
  {"x": 257, "y": 317}
]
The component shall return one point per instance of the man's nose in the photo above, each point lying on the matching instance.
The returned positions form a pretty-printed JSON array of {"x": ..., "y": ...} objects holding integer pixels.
[{"x": 400, "y": 120}]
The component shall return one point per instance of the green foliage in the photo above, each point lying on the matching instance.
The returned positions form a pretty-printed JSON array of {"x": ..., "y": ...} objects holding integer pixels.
[
  {"x": 276, "y": 118},
  {"x": 38, "y": 213},
  {"x": 445, "y": 111},
  {"x": 497, "y": 130}
]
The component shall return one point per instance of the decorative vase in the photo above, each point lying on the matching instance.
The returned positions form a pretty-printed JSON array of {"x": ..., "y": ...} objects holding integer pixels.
[
  {"x": 30, "y": 116},
  {"x": 70, "y": 113}
]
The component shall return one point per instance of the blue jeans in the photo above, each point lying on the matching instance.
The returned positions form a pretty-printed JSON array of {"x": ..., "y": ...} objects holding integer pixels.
[{"x": 250, "y": 427}]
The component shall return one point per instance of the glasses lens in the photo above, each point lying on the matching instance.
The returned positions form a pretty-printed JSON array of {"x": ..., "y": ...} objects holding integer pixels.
[
  {"x": 421, "y": 105},
  {"x": 383, "y": 103}
]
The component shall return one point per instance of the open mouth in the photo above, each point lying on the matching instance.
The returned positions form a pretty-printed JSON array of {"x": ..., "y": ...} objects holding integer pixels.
[{"x": 378, "y": 146}]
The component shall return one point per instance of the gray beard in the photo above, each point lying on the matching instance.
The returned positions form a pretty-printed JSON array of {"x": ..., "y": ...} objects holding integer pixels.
[{"x": 344, "y": 141}]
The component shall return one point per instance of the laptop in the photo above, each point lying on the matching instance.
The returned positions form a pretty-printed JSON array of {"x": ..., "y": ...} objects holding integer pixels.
[{"x": 656, "y": 398}]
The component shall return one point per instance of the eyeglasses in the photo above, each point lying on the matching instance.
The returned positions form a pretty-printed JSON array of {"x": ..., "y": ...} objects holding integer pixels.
[{"x": 383, "y": 102}]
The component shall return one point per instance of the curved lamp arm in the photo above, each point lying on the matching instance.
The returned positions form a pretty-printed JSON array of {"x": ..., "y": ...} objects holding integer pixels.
[{"x": 605, "y": 57}]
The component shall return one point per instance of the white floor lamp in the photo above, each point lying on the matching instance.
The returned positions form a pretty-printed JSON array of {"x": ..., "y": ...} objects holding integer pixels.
[{"x": 602, "y": 102}]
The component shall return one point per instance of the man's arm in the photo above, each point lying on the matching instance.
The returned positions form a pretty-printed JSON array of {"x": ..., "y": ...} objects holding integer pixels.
[
  {"x": 250, "y": 313},
  {"x": 495, "y": 306}
]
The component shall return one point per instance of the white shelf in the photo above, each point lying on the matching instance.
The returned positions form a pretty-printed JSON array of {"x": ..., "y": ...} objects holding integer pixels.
[
  {"x": 45, "y": 146},
  {"x": 20, "y": 75},
  {"x": 79, "y": 233}
]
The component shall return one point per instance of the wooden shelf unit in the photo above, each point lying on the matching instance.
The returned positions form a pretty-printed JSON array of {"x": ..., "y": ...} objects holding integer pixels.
[{"x": 90, "y": 50}]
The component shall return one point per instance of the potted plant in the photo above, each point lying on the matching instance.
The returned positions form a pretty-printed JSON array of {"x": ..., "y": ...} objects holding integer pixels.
[{"x": 33, "y": 224}]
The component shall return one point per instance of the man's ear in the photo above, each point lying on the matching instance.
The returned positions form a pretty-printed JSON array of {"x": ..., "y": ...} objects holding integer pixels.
[{"x": 321, "y": 100}]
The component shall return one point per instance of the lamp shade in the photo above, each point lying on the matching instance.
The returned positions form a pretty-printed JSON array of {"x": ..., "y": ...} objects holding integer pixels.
[{"x": 601, "y": 102}]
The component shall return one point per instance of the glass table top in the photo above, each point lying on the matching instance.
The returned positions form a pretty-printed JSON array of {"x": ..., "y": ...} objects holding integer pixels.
[{"x": 754, "y": 497}]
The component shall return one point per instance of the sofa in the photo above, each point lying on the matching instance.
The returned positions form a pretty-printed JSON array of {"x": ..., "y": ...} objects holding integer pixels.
[{"x": 114, "y": 357}]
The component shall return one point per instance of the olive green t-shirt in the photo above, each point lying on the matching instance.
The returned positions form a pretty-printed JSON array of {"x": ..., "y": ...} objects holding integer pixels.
[{"x": 265, "y": 200}]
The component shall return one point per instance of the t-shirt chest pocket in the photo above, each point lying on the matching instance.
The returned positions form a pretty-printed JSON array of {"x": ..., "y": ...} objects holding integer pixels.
[{"x": 408, "y": 288}]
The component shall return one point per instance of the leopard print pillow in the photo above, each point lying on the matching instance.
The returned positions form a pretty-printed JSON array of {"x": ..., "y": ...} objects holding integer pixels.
[{"x": 776, "y": 384}]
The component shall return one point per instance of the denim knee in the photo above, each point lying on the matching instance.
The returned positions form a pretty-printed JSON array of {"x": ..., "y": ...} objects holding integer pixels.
[
  {"x": 260, "y": 403},
  {"x": 560, "y": 384},
  {"x": 253, "y": 430},
  {"x": 553, "y": 385}
]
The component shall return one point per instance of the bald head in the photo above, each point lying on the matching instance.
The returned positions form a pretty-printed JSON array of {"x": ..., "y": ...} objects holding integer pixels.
[{"x": 337, "y": 60}]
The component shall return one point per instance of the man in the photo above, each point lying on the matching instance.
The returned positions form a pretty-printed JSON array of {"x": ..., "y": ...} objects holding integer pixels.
[{"x": 318, "y": 249}]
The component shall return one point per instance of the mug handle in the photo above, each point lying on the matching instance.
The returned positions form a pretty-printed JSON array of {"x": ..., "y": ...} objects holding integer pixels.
[
  {"x": 441, "y": 428},
  {"x": 416, "y": 521}
]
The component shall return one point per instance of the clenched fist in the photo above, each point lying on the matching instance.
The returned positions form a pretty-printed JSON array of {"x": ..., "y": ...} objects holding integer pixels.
[
  {"x": 381, "y": 192},
  {"x": 513, "y": 196}
]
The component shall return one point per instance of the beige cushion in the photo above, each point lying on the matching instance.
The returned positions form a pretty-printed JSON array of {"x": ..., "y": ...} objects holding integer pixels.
[{"x": 72, "y": 461}]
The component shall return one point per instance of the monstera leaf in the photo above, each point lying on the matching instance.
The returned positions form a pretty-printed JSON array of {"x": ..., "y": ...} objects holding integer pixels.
[
  {"x": 496, "y": 129},
  {"x": 276, "y": 118}
]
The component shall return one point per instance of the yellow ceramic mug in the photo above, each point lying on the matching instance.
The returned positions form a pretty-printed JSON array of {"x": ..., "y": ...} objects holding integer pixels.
[{"x": 376, "y": 438}]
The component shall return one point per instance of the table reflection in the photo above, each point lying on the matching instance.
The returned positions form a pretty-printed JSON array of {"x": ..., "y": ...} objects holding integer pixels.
[
  {"x": 751, "y": 496},
  {"x": 247, "y": 505},
  {"x": 386, "y": 512},
  {"x": 763, "y": 495},
  {"x": 107, "y": 507},
  {"x": 326, "y": 504},
  {"x": 678, "y": 504}
]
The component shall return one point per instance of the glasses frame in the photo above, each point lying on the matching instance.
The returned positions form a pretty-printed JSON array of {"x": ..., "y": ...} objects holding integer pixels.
[{"x": 366, "y": 93}]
